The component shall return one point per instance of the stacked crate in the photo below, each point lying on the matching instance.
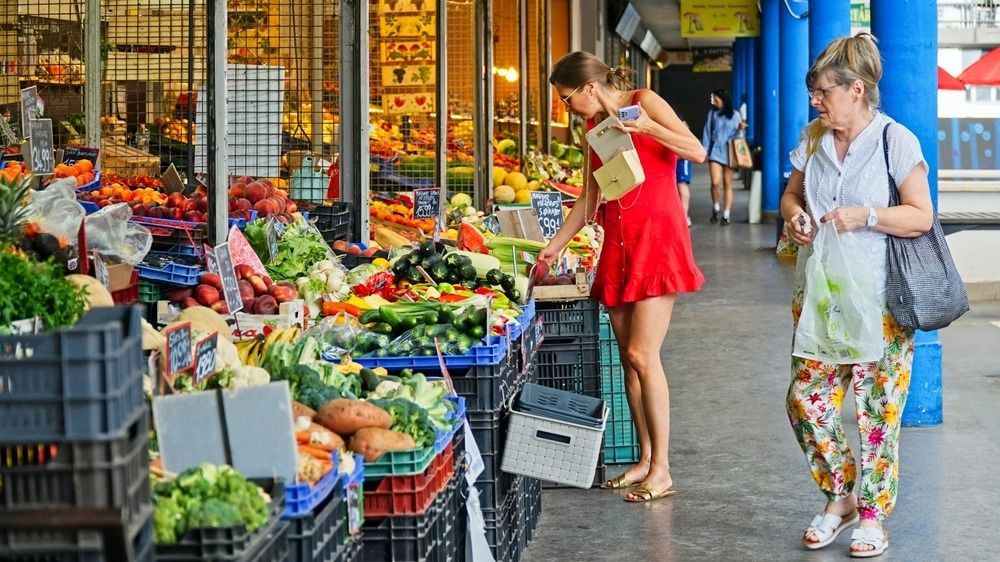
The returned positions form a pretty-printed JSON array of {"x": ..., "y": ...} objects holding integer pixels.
[
  {"x": 73, "y": 442},
  {"x": 620, "y": 445},
  {"x": 569, "y": 356}
]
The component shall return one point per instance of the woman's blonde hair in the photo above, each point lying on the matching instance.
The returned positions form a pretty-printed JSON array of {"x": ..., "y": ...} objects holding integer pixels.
[
  {"x": 848, "y": 59},
  {"x": 579, "y": 67}
]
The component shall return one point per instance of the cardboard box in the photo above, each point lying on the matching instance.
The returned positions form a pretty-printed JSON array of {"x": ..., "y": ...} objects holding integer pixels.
[{"x": 120, "y": 276}]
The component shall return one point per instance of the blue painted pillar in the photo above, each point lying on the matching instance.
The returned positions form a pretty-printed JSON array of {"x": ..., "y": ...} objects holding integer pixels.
[
  {"x": 750, "y": 78},
  {"x": 737, "y": 73},
  {"x": 794, "y": 66},
  {"x": 907, "y": 33},
  {"x": 828, "y": 20},
  {"x": 770, "y": 48}
]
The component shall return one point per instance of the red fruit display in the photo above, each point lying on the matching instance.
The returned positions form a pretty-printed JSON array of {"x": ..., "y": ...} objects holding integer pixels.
[
  {"x": 206, "y": 295},
  {"x": 246, "y": 289},
  {"x": 211, "y": 279},
  {"x": 283, "y": 293},
  {"x": 266, "y": 305}
]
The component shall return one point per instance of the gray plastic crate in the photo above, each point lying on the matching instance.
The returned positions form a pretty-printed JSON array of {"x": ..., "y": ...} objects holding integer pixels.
[
  {"x": 80, "y": 383},
  {"x": 569, "y": 318}
]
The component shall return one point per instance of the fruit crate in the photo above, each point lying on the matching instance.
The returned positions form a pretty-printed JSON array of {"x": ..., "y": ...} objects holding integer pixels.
[
  {"x": 569, "y": 318},
  {"x": 484, "y": 355},
  {"x": 532, "y": 494},
  {"x": 570, "y": 364},
  {"x": 108, "y": 473},
  {"x": 175, "y": 273},
  {"x": 318, "y": 535},
  {"x": 494, "y": 485},
  {"x": 289, "y": 314},
  {"x": 351, "y": 551},
  {"x": 301, "y": 498},
  {"x": 139, "y": 534},
  {"x": 130, "y": 294},
  {"x": 231, "y": 543},
  {"x": 486, "y": 389},
  {"x": 576, "y": 291},
  {"x": 403, "y": 539},
  {"x": 620, "y": 445},
  {"x": 501, "y": 528},
  {"x": 399, "y": 496},
  {"x": 149, "y": 292},
  {"x": 84, "y": 382},
  {"x": 333, "y": 221}
]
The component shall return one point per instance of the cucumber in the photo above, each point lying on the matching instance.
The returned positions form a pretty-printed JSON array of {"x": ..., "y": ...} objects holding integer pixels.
[{"x": 369, "y": 379}]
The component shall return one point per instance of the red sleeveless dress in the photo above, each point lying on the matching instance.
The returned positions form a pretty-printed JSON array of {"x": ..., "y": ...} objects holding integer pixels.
[{"x": 647, "y": 245}]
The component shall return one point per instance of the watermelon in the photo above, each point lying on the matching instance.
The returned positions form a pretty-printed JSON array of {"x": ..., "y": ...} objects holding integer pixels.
[
  {"x": 471, "y": 239},
  {"x": 566, "y": 189}
]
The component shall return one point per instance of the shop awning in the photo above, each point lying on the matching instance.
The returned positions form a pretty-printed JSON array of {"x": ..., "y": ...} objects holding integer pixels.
[
  {"x": 948, "y": 82},
  {"x": 983, "y": 72}
]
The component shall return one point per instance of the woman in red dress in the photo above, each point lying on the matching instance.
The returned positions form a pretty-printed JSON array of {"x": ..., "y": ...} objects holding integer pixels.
[{"x": 646, "y": 259}]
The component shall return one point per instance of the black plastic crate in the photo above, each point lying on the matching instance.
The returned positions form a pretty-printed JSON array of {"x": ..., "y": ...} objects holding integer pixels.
[
  {"x": 569, "y": 318},
  {"x": 571, "y": 364},
  {"x": 140, "y": 534},
  {"x": 501, "y": 528},
  {"x": 402, "y": 539},
  {"x": 445, "y": 547},
  {"x": 80, "y": 383},
  {"x": 487, "y": 389},
  {"x": 494, "y": 485},
  {"x": 351, "y": 551},
  {"x": 320, "y": 534},
  {"x": 272, "y": 545},
  {"x": 336, "y": 217},
  {"x": 107, "y": 473},
  {"x": 350, "y": 261},
  {"x": 230, "y": 543}
]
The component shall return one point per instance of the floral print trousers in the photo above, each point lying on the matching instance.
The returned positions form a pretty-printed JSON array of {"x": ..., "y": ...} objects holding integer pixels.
[{"x": 814, "y": 403}]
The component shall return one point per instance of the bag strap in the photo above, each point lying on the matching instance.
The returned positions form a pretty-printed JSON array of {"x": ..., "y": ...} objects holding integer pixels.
[{"x": 893, "y": 189}]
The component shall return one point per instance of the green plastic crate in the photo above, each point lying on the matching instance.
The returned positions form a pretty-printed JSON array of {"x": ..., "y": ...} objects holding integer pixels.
[
  {"x": 400, "y": 463},
  {"x": 620, "y": 445},
  {"x": 149, "y": 292}
]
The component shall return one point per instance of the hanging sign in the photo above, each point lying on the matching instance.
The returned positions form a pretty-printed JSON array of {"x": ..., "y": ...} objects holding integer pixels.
[
  {"x": 29, "y": 108},
  {"x": 719, "y": 18},
  {"x": 74, "y": 154}
]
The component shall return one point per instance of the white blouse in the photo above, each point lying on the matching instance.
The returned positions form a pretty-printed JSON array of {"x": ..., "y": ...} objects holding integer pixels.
[{"x": 861, "y": 180}]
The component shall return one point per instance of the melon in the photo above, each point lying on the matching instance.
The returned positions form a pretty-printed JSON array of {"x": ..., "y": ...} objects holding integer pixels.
[
  {"x": 97, "y": 294},
  {"x": 471, "y": 239},
  {"x": 573, "y": 191},
  {"x": 523, "y": 197},
  {"x": 504, "y": 194},
  {"x": 499, "y": 174},
  {"x": 517, "y": 180}
]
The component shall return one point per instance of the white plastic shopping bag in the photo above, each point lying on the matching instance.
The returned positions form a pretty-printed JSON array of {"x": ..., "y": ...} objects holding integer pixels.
[{"x": 841, "y": 319}]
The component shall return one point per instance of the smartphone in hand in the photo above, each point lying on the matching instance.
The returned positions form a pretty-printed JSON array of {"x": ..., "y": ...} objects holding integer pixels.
[{"x": 628, "y": 113}]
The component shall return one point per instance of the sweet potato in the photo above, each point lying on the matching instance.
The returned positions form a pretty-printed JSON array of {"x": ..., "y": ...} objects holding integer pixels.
[
  {"x": 345, "y": 417},
  {"x": 372, "y": 442},
  {"x": 299, "y": 409},
  {"x": 324, "y": 438}
]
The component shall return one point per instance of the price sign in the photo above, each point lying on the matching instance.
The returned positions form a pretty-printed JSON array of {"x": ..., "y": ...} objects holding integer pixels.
[
  {"x": 274, "y": 232},
  {"x": 74, "y": 154},
  {"x": 8, "y": 133},
  {"x": 43, "y": 161},
  {"x": 210, "y": 261},
  {"x": 29, "y": 108},
  {"x": 426, "y": 202},
  {"x": 179, "y": 356},
  {"x": 230, "y": 287},
  {"x": 548, "y": 207},
  {"x": 205, "y": 356},
  {"x": 492, "y": 224},
  {"x": 101, "y": 271}
]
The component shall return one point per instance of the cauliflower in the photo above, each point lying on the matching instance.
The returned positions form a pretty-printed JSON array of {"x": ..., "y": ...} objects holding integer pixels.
[{"x": 246, "y": 376}]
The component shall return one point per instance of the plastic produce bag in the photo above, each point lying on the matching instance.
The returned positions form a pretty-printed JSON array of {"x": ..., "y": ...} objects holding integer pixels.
[
  {"x": 345, "y": 337},
  {"x": 841, "y": 319},
  {"x": 56, "y": 209},
  {"x": 110, "y": 234}
]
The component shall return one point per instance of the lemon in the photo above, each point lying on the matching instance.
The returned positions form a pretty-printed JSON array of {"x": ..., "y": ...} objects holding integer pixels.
[
  {"x": 517, "y": 180},
  {"x": 523, "y": 197},
  {"x": 381, "y": 263}
]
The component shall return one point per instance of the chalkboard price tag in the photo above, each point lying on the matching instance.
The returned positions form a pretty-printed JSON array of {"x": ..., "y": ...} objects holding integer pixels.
[
  {"x": 42, "y": 152},
  {"x": 8, "y": 134},
  {"x": 29, "y": 107},
  {"x": 205, "y": 357},
  {"x": 230, "y": 287},
  {"x": 426, "y": 202},
  {"x": 492, "y": 224},
  {"x": 548, "y": 208},
  {"x": 272, "y": 237},
  {"x": 179, "y": 356},
  {"x": 74, "y": 154}
]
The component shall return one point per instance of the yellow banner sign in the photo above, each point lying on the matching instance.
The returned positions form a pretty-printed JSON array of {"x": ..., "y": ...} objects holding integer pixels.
[{"x": 719, "y": 18}]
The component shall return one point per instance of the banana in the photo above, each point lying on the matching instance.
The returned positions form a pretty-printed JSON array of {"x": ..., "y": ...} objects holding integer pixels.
[{"x": 273, "y": 337}]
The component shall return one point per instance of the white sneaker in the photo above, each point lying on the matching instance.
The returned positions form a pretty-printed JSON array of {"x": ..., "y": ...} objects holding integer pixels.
[{"x": 689, "y": 221}]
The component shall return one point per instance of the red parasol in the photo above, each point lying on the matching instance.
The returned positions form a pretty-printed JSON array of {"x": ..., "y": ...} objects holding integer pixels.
[
  {"x": 948, "y": 82},
  {"x": 983, "y": 72}
]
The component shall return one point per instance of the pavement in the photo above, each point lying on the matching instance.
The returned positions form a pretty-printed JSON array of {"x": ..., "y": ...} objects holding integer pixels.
[{"x": 745, "y": 492}]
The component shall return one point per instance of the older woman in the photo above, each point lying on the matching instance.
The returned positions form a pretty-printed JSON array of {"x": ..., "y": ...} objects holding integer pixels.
[{"x": 842, "y": 171}]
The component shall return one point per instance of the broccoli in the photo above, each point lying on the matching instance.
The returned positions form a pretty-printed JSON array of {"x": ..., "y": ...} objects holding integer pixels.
[
  {"x": 168, "y": 520},
  {"x": 409, "y": 418},
  {"x": 214, "y": 514}
]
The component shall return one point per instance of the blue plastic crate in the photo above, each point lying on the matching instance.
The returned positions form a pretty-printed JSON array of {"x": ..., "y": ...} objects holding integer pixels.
[
  {"x": 177, "y": 250},
  {"x": 92, "y": 185},
  {"x": 516, "y": 328},
  {"x": 171, "y": 223},
  {"x": 301, "y": 499},
  {"x": 175, "y": 273},
  {"x": 89, "y": 207},
  {"x": 457, "y": 416},
  {"x": 479, "y": 355}
]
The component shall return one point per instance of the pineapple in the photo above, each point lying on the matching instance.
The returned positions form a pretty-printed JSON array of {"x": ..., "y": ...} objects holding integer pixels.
[{"x": 14, "y": 191}]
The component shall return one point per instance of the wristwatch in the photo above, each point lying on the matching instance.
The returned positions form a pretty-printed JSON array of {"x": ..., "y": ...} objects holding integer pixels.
[{"x": 872, "y": 218}]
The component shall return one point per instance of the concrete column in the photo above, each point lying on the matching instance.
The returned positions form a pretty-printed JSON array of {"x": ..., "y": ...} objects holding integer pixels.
[
  {"x": 908, "y": 39},
  {"x": 794, "y": 65},
  {"x": 769, "y": 124},
  {"x": 828, "y": 20}
]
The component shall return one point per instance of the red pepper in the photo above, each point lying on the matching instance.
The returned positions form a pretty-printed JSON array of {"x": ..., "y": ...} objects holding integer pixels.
[
  {"x": 452, "y": 297},
  {"x": 486, "y": 291}
]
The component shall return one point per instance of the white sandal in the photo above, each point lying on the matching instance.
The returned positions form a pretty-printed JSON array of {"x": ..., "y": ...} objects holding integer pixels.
[
  {"x": 826, "y": 527},
  {"x": 871, "y": 536}
]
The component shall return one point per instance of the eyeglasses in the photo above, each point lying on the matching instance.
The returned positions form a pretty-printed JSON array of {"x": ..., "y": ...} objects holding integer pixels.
[
  {"x": 819, "y": 93},
  {"x": 566, "y": 99}
]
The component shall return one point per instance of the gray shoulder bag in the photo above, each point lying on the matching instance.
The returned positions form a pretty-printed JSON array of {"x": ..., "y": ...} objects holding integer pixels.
[{"x": 924, "y": 289}]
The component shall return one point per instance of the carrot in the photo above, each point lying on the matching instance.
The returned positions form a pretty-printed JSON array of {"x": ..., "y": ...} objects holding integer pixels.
[
  {"x": 302, "y": 437},
  {"x": 315, "y": 452},
  {"x": 331, "y": 308}
]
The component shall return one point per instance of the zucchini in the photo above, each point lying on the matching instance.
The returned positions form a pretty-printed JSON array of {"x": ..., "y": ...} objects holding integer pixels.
[
  {"x": 370, "y": 379},
  {"x": 370, "y": 316}
]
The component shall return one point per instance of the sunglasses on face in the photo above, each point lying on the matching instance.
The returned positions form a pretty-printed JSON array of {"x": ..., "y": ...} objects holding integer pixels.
[{"x": 566, "y": 99}]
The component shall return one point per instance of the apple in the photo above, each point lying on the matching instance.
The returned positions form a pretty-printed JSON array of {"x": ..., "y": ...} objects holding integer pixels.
[
  {"x": 268, "y": 281},
  {"x": 140, "y": 210},
  {"x": 291, "y": 206},
  {"x": 238, "y": 190},
  {"x": 192, "y": 216},
  {"x": 206, "y": 294},
  {"x": 248, "y": 305},
  {"x": 201, "y": 204},
  {"x": 155, "y": 212},
  {"x": 354, "y": 250},
  {"x": 243, "y": 204},
  {"x": 175, "y": 199},
  {"x": 211, "y": 279},
  {"x": 339, "y": 245},
  {"x": 256, "y": 192},
  {"x": 246, "y": 289},
  {"x": 266, "y": 305}
]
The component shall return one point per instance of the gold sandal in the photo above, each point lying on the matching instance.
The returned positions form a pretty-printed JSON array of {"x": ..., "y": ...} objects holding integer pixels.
[
  {"x": 617, "y": 483},
  {"x": 645, "y": 495}
]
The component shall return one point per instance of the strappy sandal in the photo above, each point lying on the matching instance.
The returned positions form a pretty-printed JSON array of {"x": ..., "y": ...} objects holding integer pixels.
[
  {"x": 618, "y": 483},
  {"x": 826, "y": 527},
  {"x": 646, "y": 495},
  {"x": 872, "y": 536}
]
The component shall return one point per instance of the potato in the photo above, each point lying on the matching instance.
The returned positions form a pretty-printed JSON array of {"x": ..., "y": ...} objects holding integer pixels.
[
  {"x": 345, "y": 417},
  {"x": 372, "y": 442},
  {"x": 323, "y": 436},
  {"x": 299, "y": 409}
]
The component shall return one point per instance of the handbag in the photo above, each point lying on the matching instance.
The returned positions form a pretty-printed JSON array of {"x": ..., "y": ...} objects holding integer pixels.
[
  {"x": 739, "y": 154},
  {"x": 924, "y": 290},
  {"x": 621, "y": 171}
]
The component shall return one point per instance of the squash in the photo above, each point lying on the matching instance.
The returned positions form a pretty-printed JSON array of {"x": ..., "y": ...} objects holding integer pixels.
[
  {"x": 97, "y": 294},
  {"x": 207, "y": 320}
]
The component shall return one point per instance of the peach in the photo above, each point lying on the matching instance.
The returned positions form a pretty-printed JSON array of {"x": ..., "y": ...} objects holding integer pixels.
[{"x": 256, "y": 192}]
